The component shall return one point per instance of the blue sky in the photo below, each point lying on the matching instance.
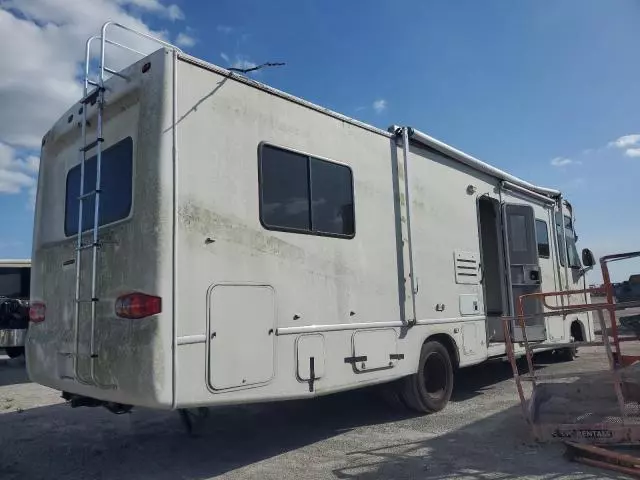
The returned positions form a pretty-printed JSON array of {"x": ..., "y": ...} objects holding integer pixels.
[{"x": 541, "y": 89}]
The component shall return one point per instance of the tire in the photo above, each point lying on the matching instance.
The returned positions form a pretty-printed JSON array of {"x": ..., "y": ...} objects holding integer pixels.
[
  {"x": 429, "y": 389},
  {"x": 390, "y": 394},
  {"x": 14, "y": 352},
  {"x": 567, "y": 354}
]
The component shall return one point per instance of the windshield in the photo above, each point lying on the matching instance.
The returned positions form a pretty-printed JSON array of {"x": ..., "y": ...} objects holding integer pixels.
[{"x": 572, "y": 250}]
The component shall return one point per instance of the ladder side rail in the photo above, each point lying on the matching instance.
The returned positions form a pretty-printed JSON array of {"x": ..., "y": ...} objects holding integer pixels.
[{"x": 81, "y": 198}]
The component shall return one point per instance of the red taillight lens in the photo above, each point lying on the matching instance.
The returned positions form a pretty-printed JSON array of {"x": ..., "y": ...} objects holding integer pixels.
[
  {"x": 138, "y": 305},
  {"x": 37, "y": 311}
]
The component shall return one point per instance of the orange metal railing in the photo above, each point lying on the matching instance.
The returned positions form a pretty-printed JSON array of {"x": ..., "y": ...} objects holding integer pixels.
[{"x": 611, "y": 340}]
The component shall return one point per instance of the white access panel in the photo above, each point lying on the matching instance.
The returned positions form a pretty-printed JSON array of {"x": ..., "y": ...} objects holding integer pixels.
[
  {"x": 241, "y": 335},
  {"x": 308, "y": 347},
  {"x": 470, "y": 339},
  {"x": 377, "y": 346},
  {"x": 470, "y": 304}
]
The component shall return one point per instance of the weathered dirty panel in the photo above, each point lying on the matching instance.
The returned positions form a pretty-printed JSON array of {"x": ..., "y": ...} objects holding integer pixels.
[
  {"x": 241, "y": 335},
  {"x": 133, "y": 358}
]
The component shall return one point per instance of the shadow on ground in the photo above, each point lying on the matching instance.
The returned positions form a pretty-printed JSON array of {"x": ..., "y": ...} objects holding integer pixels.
[
  {"x": 351, "y": 435},
  {"x": 12, "y": 371}
]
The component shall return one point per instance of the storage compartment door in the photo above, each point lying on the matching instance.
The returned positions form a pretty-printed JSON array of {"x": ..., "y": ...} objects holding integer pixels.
[
  {"x": 241, "y": 335},
  {"x": 377, "y": 349},
  {"x": 524, "y": 270}
]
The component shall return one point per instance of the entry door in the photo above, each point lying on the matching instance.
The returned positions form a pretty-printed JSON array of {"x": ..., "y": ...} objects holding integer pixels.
[{"x": 523, "y": 268}]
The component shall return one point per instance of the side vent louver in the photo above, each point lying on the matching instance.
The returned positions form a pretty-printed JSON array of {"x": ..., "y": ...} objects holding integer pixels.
[{"x": 466, "y": 267}]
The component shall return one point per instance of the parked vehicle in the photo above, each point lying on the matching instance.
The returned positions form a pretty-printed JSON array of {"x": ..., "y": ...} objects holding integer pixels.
[
  {"x": 244, "y": 245},
  {"x": 14, "y": 305},
  {"x": 629, "y": 290}
]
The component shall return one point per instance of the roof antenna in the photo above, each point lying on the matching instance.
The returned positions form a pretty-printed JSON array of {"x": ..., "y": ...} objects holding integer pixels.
[{"x": 257, "y": 67}]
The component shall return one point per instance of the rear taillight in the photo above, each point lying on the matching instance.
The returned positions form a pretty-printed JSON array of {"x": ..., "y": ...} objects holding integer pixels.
[
  {"x": 138, "y": 305},
  {"x": 37, "y": 311}
]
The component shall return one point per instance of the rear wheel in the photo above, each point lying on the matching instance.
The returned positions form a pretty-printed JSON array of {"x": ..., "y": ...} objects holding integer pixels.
[
  {"x": 429, "y": 390},
  {"x": 14, "y": 352},
  {"x": 567, "y": 354}
]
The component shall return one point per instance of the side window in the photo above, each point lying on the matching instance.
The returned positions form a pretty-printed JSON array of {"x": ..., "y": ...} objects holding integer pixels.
[
  {"x": 284, "y": 190},
  {"x": 571, "y": 249},
  {"x": 518, "y": 233},
  {"x": 542, "y": 238},
  {"x": 303, "y": 194}
]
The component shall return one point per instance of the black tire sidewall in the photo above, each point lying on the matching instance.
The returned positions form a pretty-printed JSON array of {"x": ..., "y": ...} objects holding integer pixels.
[
  {"x": 434, "y": 404},
  {"x": 14, "y": 352}
]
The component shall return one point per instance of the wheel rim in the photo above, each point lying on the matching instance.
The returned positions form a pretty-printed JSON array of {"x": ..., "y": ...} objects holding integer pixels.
[{"x": 435, "y": 375}]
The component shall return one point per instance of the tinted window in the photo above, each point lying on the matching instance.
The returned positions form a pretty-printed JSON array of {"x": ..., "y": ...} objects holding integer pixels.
[
  {"x": 116, "y": 186},
  {"x": 518, "y": 233},
  {"x": 285, "y": 189},
  {"x": 542, "y": 238},
  {"x": 331, "y": 198},
  {"x": 305, "y": 194},
  {"x": 570, "y": 247}
]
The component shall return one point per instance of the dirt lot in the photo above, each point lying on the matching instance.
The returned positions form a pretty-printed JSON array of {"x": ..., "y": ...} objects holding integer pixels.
[{"x": 480, "y": 435}]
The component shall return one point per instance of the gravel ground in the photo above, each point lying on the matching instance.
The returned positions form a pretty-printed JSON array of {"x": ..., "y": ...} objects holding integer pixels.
[{"x": 480, "y": 435}]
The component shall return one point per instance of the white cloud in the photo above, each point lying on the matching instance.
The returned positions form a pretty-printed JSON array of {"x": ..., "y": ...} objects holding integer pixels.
[
  {"x": 39, "y": 79},
  {"x": 225, "y": 29},
  {"x": 380, "y": 105},
  {"x": 243, "y": 63},
  {"x": 626, "y": 141},
  {"x": 185, "y": 40},
  {"x": 632, "y": 152},
  {"x": 564, "y": 161},
  {"x": 225, "y": 57},
  {"x": 17, "y": 173},
  {"x": 172, "y": 12}
]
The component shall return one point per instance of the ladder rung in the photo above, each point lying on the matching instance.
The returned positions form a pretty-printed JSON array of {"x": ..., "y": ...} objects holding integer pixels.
[
  {"x": 527, "y": 377},
  {"x": 87, "y": 246},
  {"x": 90, "y": 300},
  {"x": 114, "y": 72},
  {"x": 92, "y": 145},
  {"x": 551, "y": 346},
  {"x": 92, "y": 96},
  {"x": 89, "y": 194}
]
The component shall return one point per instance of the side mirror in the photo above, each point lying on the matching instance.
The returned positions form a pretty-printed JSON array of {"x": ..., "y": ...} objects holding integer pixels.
[{"x": 587, "y": 258}]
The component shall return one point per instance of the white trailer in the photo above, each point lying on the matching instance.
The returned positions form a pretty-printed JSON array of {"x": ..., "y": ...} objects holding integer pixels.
[
  {"x": 14, "y": 300},
  {"x": 252, "y": 246}
]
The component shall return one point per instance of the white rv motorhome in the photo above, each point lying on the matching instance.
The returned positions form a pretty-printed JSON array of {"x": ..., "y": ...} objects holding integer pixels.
[{"x": 241, "y": 245}]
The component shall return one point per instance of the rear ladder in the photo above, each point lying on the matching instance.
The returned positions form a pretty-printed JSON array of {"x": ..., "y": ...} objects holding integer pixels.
[{"x": 95, "y": 97}]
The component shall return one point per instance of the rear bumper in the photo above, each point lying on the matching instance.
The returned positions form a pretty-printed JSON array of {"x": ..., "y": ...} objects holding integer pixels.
[{"x": 12, "y": 337}]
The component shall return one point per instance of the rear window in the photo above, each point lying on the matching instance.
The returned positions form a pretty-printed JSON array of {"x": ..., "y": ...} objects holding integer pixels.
[
  {"x": 15, "y": 282},
  {"x": 116, "y": 178}
]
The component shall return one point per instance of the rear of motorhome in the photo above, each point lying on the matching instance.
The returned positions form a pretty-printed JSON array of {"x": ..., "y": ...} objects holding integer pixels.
[{"x": 203, "y": 239}]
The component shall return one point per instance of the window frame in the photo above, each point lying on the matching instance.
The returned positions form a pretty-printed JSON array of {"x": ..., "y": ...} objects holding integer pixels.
[
  {"x": 546, "y": 226},
  {"x": 131, "y": 201},
  {"x": 563, "y": 250},
  {"x": 309, "y": 157}
]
